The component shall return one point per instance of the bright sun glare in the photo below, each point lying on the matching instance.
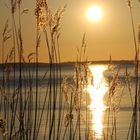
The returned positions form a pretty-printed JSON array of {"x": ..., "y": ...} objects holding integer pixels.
[
  {"x": 94, "y": 13},
  {"x": 97, "y": 91}
]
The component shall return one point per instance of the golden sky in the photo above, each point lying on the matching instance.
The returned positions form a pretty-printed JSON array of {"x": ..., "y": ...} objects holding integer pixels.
[{"x": 112, "y": 35}]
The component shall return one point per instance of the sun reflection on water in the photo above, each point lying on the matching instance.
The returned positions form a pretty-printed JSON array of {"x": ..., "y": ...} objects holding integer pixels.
[{"x": 97, "y": 91}]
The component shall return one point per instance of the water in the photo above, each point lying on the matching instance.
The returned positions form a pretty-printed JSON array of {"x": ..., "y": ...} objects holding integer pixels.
[{"x": 94, "y": 104}]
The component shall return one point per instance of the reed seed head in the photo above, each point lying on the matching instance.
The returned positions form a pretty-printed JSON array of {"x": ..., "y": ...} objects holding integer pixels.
[
  {"x": 40, "y": 14},
  {"x": 129, "y": 3},
  {"x": 3, "y": 129}
]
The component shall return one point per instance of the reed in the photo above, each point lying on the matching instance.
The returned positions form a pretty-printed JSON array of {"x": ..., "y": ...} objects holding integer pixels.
[
  {"x": 135, "y": 117},
  {"x": 26, "y": 113},
  {"x": 17, "y": 106}
]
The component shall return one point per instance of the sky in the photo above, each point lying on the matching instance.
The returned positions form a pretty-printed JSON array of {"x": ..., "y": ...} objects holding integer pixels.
[{"x": 112, "y": 35}]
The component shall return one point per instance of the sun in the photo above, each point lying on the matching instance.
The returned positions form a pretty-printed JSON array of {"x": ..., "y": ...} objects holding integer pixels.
[{"x": 94, "y": 13}]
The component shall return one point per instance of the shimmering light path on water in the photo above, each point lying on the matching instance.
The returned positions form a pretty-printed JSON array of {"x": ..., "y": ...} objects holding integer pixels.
[{"x": 97, "y": 91}]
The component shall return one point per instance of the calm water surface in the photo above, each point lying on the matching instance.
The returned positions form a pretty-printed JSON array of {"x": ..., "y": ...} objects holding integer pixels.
[{"x": 98, "y": 92}]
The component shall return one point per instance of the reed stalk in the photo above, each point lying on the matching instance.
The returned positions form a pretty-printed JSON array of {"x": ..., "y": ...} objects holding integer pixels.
[{"x": 134, "y": 127}]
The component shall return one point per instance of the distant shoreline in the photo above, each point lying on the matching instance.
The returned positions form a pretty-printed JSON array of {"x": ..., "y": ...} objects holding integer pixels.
[{"x": 73, "y": 62}]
